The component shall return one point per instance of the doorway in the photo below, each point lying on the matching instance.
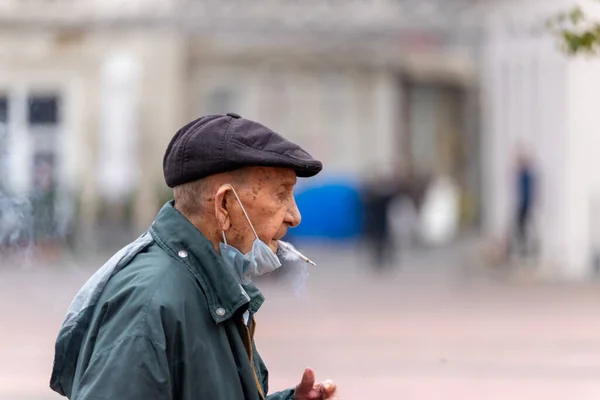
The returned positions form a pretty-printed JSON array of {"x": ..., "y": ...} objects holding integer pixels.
[{"x": 442, "y": 139}]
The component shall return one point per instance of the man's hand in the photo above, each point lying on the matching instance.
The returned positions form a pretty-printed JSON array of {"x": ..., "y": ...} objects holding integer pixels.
[{"x": 308, "y": 390}]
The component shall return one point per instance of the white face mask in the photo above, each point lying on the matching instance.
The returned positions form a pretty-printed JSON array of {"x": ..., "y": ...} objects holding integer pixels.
[{"x": 259, "y": 261}]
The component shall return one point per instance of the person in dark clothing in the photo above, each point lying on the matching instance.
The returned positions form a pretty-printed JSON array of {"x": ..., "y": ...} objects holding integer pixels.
[
  {"x": 379, "y": 195},
  {"x": 172, "y": 315},
  {"x": 526, "y": 193}
]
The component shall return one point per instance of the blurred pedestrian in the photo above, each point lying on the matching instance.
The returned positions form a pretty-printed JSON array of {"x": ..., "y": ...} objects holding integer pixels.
[
  {"x": 382, "y": 195},
  {"x": 43, "y": 201},
  {"x": 525, "y": 190},
  {"x": 440, "y": 212},
  {"x": 171, "y": 316},
  {"x": 16, "y": 228},
  {"x": 377, "y": 198}
]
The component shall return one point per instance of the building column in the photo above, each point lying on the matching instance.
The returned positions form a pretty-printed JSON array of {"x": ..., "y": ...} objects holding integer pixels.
[
  {"x": 162, "y": 112},
  {"x": 582, "y": 183},
  {"x": 19, "y": 141},
  {"x": 386, "y": 129},
  {"x": 87, "y": 185}
]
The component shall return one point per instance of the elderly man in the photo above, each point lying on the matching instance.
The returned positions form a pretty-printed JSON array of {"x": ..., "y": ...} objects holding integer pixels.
[{"x": 171, "y": 316}]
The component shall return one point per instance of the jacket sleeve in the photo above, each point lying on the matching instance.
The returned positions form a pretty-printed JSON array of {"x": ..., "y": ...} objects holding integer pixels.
[
  {"x": 287, "y": 394},
  {"x": 133, "y": 368}
]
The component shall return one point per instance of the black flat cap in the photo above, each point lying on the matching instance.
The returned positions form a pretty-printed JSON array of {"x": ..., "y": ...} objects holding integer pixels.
[{"x": 220, "y": 143}]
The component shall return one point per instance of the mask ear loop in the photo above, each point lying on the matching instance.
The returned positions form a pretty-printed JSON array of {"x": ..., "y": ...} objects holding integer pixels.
[
  {"x": 224, "y": 238},
  {"x": 243, "y": 210}
]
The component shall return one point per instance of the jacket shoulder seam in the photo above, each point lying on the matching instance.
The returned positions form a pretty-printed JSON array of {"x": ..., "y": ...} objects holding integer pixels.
[
  {"x": 207, "y": 293},
  {"x": 115, "y": 344},
  {"x": 144, "y": 319}
]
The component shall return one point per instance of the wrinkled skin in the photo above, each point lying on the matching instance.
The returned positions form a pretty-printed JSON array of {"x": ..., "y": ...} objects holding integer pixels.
[{"x": 268, "y": 198}]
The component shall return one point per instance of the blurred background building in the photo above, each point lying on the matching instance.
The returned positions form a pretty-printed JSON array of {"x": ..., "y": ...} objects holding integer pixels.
[{"x": 92, "y": 91}]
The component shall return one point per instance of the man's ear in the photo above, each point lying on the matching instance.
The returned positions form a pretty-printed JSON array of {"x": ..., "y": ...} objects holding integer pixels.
[{"x": 222, "y": 208}]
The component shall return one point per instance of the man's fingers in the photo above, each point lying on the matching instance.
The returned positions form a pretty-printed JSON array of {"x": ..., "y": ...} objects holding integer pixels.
[
  {"x": 307, "y": 389},
  {"x": 308, "y": 381},
  {"x": 327, "y": 389}
]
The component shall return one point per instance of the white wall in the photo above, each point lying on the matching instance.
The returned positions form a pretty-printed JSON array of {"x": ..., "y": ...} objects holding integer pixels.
[
  {"x": 535, "y": 94},
  {"x": 583, "y": 175}
]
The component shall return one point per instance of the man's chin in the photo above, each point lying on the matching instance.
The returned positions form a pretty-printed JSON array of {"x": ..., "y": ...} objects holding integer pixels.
[{"x": 273, "y": 245}]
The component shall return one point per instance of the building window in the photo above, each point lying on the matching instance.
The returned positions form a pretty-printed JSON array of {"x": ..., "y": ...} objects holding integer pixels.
[
  {"x": 44, "y": 122},
  {"x": 43, "y": 110},
  {"x": 37, "y": 133}
]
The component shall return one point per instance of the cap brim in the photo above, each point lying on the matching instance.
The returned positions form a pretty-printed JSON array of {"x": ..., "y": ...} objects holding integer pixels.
[{"x": 308, "y": 170}]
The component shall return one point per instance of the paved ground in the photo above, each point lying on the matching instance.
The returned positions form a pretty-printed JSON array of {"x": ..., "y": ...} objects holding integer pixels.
[{"x": 427, "y": 331}]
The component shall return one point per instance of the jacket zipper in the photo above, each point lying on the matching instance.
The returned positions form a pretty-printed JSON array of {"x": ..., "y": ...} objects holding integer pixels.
[{"x": 250, "y": 341}]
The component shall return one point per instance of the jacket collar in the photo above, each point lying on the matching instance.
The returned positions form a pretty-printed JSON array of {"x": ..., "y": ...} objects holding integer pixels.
[{"x": 184, "y": 242}]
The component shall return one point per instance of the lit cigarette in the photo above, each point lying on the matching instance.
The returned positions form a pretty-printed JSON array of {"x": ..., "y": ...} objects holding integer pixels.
[{"x": 293, "y": 250}]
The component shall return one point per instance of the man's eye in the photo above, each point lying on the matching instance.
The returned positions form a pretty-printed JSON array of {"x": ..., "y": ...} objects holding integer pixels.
[{"x": 284, "y": 194}]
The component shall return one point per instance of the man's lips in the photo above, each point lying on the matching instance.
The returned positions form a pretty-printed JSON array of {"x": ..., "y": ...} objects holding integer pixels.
[
  {"x": 273, "y": 242},
  {"x": 281, "y": 234}
]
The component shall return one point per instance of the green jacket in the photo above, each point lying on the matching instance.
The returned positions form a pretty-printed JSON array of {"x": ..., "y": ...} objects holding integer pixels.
[{"x": 162, "y": 319}]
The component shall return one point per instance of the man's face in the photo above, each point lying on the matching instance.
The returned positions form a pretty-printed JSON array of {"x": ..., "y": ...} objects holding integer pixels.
[{"x": 267, "y": 196}]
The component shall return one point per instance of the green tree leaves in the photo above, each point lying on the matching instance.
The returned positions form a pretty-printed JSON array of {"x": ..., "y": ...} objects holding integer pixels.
[{"x": 577, "y": 34}]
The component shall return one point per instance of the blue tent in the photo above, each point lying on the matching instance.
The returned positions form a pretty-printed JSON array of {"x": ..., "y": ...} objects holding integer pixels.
[{"x": 330, "y": 210}]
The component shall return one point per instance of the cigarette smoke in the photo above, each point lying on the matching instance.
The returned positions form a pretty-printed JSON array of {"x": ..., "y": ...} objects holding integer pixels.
[{"x": 295, "y": 271}]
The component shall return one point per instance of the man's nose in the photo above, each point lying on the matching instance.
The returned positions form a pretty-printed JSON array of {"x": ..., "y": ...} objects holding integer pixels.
[{"x": 293, "y": 217}]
